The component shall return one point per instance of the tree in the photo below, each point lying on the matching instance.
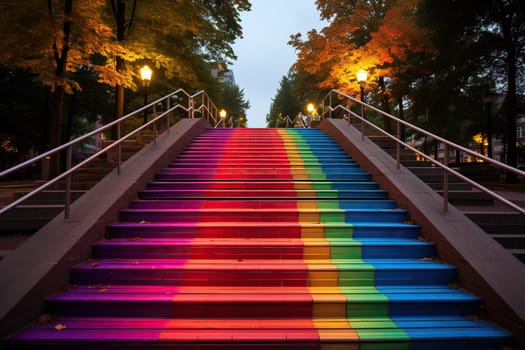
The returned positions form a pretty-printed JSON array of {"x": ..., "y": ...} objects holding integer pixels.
[
  {"x": 233, "y": 101},
  {"x": 53, "y": 39},
  {"x": 22, "y": 102},
  {"x": 181, "y": 39},
  {"x": 377, "y": 36},
  {"x": 294, "y": 93},
  {"x": 487, "y": 37},
  {"x": 124, "y": 27},
  {"x": 285, "y": 104}
]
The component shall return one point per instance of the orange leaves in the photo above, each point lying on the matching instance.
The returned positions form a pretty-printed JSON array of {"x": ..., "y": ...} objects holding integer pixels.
[
  {"x": 375, "y": 35},
  {"x": 399, "y": 35},
  {"x": 48, "y": 319},
  {"x": 37, "y": 39}
]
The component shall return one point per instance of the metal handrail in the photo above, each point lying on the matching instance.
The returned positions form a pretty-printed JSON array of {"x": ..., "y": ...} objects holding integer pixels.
[
  {"x": 292, "y": 122},
  {"x": 327, "y": 110},
  {"x": 206, "y": 108}
]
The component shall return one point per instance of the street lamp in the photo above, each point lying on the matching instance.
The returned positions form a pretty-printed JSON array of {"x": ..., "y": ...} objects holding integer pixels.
[
  {"x": 488, "y": 99},
  {"x": 222, "y": 114},
  {"x": 313, "y": 118},
  {"x": 145, "y": 74},
  {"x": 361, "y": 78},
  {"x": 310, "y": 108}
]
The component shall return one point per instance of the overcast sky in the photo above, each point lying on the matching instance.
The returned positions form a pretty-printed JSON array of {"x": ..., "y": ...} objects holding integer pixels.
[{"x": 263, "y": 56}]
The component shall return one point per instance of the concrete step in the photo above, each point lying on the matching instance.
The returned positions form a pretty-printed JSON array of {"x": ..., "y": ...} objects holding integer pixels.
[
  {"x": 434, "y": 177},
  {"x": 9, "y": 242},
  {"x": 28, "y": 218},
  {"x": 38, "y": 210},
  {"x": 415, "y": 163},
  {"x": 431, "y": 174},
  {"x": 518, "y": 253},
  {"x": 506, "y": 228},
  {"x": 511, "y": 241},
  {"x": 129, "y": 148},
  {"x": 482, "y": 172},
  {"x": 499, "y": 222},
  {"x": 468, "y": 198},
  {"x": 49, "y": 197},
  {"x": 455, "y": 186}
]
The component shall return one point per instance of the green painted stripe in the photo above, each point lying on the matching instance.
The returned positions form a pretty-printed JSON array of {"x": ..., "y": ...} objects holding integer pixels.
[{"x": 360, "y": 277}]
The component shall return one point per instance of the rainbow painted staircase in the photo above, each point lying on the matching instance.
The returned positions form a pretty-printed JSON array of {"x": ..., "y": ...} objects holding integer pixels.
[{"x": 262, "y": 239}]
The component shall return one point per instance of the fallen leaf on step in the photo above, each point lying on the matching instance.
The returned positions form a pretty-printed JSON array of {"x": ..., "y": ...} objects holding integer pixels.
[
  {"x": 44, "y": 319},
  {"x": 453, "y": 285},
  {"x": 474, "y": 318},
  {"x": 60, "y": 327},
  {"x": 99, "y": 287},
  {"x": 71, "y": 287}
]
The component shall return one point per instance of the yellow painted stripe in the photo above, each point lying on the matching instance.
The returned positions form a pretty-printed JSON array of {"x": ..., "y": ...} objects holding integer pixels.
[{"x": 329, "y": 310}]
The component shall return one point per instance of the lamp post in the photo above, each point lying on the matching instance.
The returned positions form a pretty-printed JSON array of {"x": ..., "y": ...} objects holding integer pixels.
[
  {"x": 361, "y": 78},
  {"x": 489, "y": 99},
  {"x": 222, "y": 114},
  {"x": 313, "y": 117},
  {"x": 145, "y": 74}
]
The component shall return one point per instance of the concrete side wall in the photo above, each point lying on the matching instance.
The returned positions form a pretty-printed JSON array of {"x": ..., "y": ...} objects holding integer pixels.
[
  {"x": 41, "y": 265},
  {"x": 485, "y": 268}
]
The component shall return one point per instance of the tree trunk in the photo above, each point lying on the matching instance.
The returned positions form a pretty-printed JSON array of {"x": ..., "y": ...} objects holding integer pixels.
[
  {"x": 119, "y": 98},
  {"x": 54, "y": 128},
  {"x": 120, "y": 18},
  {"x": 387, "y": 122},
  {"x": 57, "y": 99},
  {"x": 510, "y": 106}
]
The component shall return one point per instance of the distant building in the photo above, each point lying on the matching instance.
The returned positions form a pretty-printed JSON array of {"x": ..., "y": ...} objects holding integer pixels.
[
  {"x": 480, "y": 143},
  {"x": 520, "y": 140},
  {"x": 224, "y": 76}
]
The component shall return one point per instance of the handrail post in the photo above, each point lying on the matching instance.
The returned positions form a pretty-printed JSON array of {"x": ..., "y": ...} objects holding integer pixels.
[
  {"x": 168, "y": 108},
  {"x": 208, "y": 110},
  {"x": 154, "y": 124},
  {"x": 362, "y": 120},
  {"x": 445, "y": 178},
  {"x": 398, "y": 145},
  {"x": 67, "y": 199},
  {"x": 190, "y": 110},
  {"x": 348, "y": 106},
  {"x": 203, "y": 99},
  {"x": 119, "y": 148},
  {"x": 330, "y": 105}
]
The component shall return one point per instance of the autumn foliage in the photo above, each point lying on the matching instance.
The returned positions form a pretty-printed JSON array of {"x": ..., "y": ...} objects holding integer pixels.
[
  {"x": 53, "y": 39},
  {"x": 373, "y": 35}
]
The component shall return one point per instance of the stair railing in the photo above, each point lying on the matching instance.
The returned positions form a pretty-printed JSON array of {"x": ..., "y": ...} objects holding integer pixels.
[
  {"x": 336, "y": 101},
  {"x": 196, "y": 105},
  {"x": 304, "y": 121}
]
